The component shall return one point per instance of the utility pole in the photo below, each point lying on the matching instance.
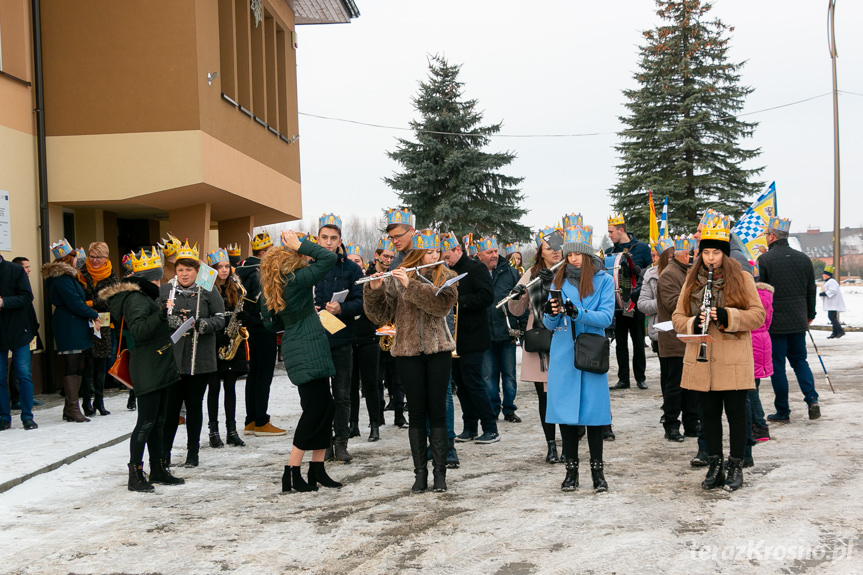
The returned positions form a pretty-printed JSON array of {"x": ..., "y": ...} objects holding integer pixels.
[{"x": 837, "y": 229}]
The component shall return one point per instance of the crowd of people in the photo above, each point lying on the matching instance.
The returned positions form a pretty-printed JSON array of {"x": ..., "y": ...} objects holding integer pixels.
[{"x": 431, "y": 316}]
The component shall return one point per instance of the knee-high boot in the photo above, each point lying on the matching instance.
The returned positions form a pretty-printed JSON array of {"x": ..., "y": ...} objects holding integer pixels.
[
  {"x": 71, "y": 410},
  {"x": 438, "y": 440},
  {"x": 417, "y": 437}
]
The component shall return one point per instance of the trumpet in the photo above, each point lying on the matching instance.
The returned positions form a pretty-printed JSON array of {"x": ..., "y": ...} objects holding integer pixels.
[
  {"x": 532, "y": 282},
  {"x": 367, "y": 279}
]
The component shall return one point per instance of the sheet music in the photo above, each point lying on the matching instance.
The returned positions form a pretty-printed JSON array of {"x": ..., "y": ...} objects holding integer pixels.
[
  {"x": 449, "y": 282},
  {"x": 181, "y": 331}
]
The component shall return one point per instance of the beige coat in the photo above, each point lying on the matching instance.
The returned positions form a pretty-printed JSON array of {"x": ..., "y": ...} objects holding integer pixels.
[
  {"x": 730, "y": 364},
  {"x": 530, "y": 370}
]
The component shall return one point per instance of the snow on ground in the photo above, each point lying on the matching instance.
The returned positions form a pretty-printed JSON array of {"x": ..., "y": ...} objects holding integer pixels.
[
  {"x": 798, "y": 512},
  {"x": 853, "y": 296}
]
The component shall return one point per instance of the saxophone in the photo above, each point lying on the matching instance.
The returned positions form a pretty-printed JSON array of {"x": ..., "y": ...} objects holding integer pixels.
[{"x": 236, "y": 333}]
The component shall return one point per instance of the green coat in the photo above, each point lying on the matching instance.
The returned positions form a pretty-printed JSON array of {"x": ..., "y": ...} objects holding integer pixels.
[
  {"x": 145, "y": 333},
  {"x": 305, "y": 347}
]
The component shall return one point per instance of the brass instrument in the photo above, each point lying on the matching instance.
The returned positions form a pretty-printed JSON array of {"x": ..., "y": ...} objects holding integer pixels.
[
  {"x": 706, "y": 304},
  {"x": 455, "y": 332},
  {"x": 385, "y": 342},
  {"x": 367, "y": 279},
  {"x": 236, "y": 333}
]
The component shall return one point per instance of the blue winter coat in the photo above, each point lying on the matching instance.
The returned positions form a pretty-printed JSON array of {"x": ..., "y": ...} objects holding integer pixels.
[
  {"x": 71, "y": 312},
  {"x": 577, "y": 397}
]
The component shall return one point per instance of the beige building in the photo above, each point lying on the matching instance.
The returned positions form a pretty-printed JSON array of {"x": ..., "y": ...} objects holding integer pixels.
[{"x": 159, "y": 116}]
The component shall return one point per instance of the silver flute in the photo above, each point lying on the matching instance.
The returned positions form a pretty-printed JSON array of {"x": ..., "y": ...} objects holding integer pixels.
[
  {"x": 172, "y": 295},
  {"x": 367, "y": 279},
  {"x": 532, "y": 282}
]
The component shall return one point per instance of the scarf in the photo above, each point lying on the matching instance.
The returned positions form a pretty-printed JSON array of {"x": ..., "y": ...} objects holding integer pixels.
[
  {"x": 697, "y": 297},
  {"x": 572, "y": 274},
  {"x": 538, "y": 295},
  {"x": 98, "y": 274}
]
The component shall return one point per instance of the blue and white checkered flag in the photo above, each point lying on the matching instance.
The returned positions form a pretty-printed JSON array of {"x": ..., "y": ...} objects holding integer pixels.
[{"x": 752, "y": 225}]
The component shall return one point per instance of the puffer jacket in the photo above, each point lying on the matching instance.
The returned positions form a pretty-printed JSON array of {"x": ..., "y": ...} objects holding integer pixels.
[
  {"x": 647, "y": 300},
  {"x": 762, "y": 347}
]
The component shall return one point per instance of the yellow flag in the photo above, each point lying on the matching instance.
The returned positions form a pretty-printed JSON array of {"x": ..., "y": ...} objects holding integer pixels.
[{"x": 654, "y": 228}]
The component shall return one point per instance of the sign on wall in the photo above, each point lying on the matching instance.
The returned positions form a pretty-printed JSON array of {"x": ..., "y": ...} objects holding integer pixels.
[{"x": 5, "y": 223}]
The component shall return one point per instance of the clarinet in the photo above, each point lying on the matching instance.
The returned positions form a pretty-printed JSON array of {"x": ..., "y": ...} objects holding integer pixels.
[{"x": 706, "y": 304}]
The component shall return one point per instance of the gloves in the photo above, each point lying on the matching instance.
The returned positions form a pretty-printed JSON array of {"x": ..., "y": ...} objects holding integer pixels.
[
  {"x": 546, "y": 275},
  {"x": 548, "y": 309},
  {"x": 722, "y": 317},
  {"x": 696, "y": 327},
  {"x": 570, "y": 310},
  {"x": 518, "y": 291},
  {"x": 174, "y": 321},
  {"x": 202, "y": 326},
  {"x": 823, "y": 294}
]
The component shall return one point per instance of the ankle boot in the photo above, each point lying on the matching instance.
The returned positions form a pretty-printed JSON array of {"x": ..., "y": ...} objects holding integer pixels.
[
  {"x": 233, "y": 437},
  {"x": 355, "y": 429},
  {"x": 399, "y": 419},
  {"x": 160, "y": 474},
  {"x": 130, "y": 403},
  {"x": 286, "y": 480},
  {"x": 570, "y": 482},
  {"x": 438, "y": 441},
  {"x": 417, "y": 439},
  {"x": 87, "y": 406},
  {"x": 297, "y": 482},
  {"x": 599, "y": 482},
  {"x": 137, "y": 481},
  {"x": 452, "y": 461},
  {"x": 734, "y": 481},
  {"x": 715, "y": 473},
  {"x": 318, "y": 474},
  {"x": 215, "y": 439},
  {"x": 374, "y": 432},
  {"x": 192, "y": 456},
  {"x": 340, "y": 451},
  {"x": 71, "y": 410},
  {"x": 551, "y": 456},
  {"x": 99, "y": 405}
]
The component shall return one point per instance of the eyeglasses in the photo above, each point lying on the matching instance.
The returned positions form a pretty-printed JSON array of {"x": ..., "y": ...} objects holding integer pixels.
[
  {"x": 383, "y": 257},
  {"x": 399, "y": 236},
  {"x": 92, "y": 257}
]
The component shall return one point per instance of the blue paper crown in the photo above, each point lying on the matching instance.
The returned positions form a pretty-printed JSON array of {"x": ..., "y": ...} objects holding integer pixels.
[
  {"x": 570, "y": 220},
  {"x": 386, "y": 244},
  {"x": 353, "y": 249},
  {"x": 544, "y": 233},
  {"x": 665, "y": 243},
  {"x": 403, "y": 216},
  {"x": 448, "y": 241},
  {"x": 61, "y": 248},
  {"x": 217, "y": 256},
  {"x": 329, "y": 220},
  {"x": 578, "y": 234},
  {"x": 81, "y": 254},
  {"x": 426, "y": 240},
  {"x": 709, "y": 214},
  {"x": 781, "y": 224},
  {"x": 489, "y": 243},
  {"x": 510, "y": 249},
  {"x": 469, "y": 245},
  {"x": 684, "y": 243}
]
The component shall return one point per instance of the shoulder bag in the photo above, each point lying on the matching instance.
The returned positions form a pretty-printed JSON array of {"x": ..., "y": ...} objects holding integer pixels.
[
  {"x": 120, "y": 369},
  {"x": 591, "y": 351}
]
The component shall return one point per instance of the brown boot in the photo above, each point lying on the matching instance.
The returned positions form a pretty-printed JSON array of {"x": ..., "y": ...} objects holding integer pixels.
[{"x": 71, "y": 410}]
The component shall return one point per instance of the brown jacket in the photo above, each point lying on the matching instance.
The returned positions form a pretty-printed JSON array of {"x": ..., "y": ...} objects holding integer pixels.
[
  {"x": 730, "y": 364},
  {"x": 668, "y": 288},
  {"x": 420, "y": 315}
]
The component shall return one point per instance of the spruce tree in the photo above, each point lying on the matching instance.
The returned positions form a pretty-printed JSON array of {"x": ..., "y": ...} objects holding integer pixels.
[
  {"x": 682, "y": 139},
  {"x": 447, "y": 180}
]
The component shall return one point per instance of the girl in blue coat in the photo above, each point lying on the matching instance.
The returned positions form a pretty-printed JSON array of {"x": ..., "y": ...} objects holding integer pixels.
[{"x": 576, "y": 397}]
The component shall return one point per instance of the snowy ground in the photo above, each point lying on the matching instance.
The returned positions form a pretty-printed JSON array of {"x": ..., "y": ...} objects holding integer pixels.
[
  {"x": 799, "y": 511},
  {"x": 853, "y": 296}
]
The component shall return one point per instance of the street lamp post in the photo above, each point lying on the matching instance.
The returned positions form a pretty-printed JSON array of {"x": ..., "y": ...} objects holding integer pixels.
[{"x": 837, "y": 229}]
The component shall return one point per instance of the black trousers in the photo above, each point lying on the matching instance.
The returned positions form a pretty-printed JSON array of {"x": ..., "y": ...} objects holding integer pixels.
[
  {"x": 152, "y": 411},
  {"x": 388, "y": 376},
  {"x": 572, "y": 433},
  {"x": 314, "y": 429},
  {"x": 228, "y": 380},
  {"x": 189, "y": 390},
  {"x": 365, "y": 374},
  {"x": 472, "y": 395},
  {"x": 425, "y": 378},
  {"x": 833, "y": 316},
  {"x": 542, "y": 395},
  {"x": 632, "y": 327},
  {"x": 93, "y": 379},
  {"x": 262, "y": 364},
  {"x": 734, "y": 402},
  {"x": 677, "y": 401}
]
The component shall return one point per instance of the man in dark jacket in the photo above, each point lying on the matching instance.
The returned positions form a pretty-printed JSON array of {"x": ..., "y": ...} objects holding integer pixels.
[
  {"x": 498, "y": 369},
  {"x": 793, "y": 279},
  {"x": 626, "y": 324},
  {"x": 16, "y": 333},
  {"x": 263, "y": 349},
  {"x": 342, "y": 277},
  {"x": 400, "y": 231},
  {"x": 475, "y": 296}
]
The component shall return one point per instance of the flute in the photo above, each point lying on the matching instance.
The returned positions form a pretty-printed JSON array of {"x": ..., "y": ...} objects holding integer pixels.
[
  {"x": 172, "y": 295},
  {"x": 532, "y": 282},
  {"x": 367, "y": 279}
]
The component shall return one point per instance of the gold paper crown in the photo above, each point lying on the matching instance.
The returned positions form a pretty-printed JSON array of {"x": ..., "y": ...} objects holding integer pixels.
[
  {"x": 616, "y": 219},
  {"x": 170, "y": 246},
  {"x": 188, "y": 252},
  {"x": 718, "y": 227},
  {"x": 234, "y": 250},
  {"x": 146, "y": 261},
  {"x": 261, "y": 241}
]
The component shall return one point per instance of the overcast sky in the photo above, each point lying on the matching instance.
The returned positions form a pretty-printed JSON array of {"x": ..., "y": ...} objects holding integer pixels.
[{"x": 555, "y": 67}]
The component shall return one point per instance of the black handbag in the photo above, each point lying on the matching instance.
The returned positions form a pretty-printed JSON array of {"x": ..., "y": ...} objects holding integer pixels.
[
  {"x": 538, "y": 340},
  {"x": 591, "y": 352}
]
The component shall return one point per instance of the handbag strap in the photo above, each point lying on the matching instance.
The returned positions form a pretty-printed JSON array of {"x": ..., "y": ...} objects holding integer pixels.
[{"x": 120, "y": 342}]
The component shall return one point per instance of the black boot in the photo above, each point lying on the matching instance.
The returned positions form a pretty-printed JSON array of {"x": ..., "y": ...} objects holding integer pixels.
[
  {"x": 599, "y": 483},
  {"x": 715, "y": 473},
  {"x": 87, "y": 406},
  {"x": 399, "y": 420},
  {"x": 233, "y": 437},
  {"x": 160, "y": 474},
  {"x": 551, "y": 456},
  {"x": 340, "y": 450},
  {"x": 192, "y": 457},
  {"x": 317, "y": 474},
  {"x": 452, "y": 461},
  {"x": 374, "y": 432},
  {"x": 297, "y": 482},
  {"x": 215, "y": 440},
  {"x": 130, "y": 403},
  {"x": 438, "y": 440},
  {"x": 286, "y": 480},
  {"x": 355, "y": 429},
  {"x": 607, "y": 433},
  {"x": 137, "y": 481},
  {"x": 570, "y": 482},
  {"x": 99, "y": 405},
  {"x": 417, "y": 439},
  {"x": 734, "y": 481}
]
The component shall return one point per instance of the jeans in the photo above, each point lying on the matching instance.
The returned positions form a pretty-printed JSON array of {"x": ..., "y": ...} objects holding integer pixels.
[
  {"x": 498, "y": 371},
  {"x": 833, "y": 316},
  {"x": 262, "y": 362},
  {"x": 343, "y": 358},
  {"x": 21, "y": 365},
  {"x": 792, "y": 346},
  {"x": 757, "y": 411},
  {"x": 475, "y": 403},
  {"x": 634, "y": 328}
]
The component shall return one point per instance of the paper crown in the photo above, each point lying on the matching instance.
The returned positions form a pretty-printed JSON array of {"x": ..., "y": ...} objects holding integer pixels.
[
  {"x": 188, "y": 252},
  {"x": 146, "y": 261},
  {"x": 664, "y": 244},
  {"x": 310, "y": 237},
  {"x": 448, "y": 241},
  {"x": 61, "y": 248},
  {"x": 81, "y": 254},
  {"x": 426, "y": 240},
  {"x": 404, "y": 216},
  {"x": 126, "y": 262},
  {"x": 261, "y": 241},
  {"x": 570, "y": 220},
  {"x": 489, "y": 243},
  {"x": 616, "y": 219},
  {"x": 469, "y": 245},
  {"x": 718, "y": 227},
  {"x": 386, "y": 244},
  {"x": 780, "y": 224},
  {"x": 217, "y": 256},
  {"x": 708, "y": 214},
  {"x": 509, "y": 249},
  {"x": 353, "y": 249},
  {"x": 544, "y": 233},
  {"x": 579, "y": 235},
  {"x": 330, "y": 220},
  {"x": 233, "y": 250},
  {"x": 684, "y": 243},
  {"x": 170, "y": 246}
]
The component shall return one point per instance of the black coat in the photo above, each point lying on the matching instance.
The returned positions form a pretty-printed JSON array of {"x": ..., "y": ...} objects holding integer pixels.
[
  {"x": 239, "y": 365},
  {"x": 639, "y": 251},
  {"x": 250, "y": 276},
  {"x": 793, "y": 279},
  {"x": 364, "y": 328},
  {"x": 342, "y": 276},
  {"x": 101, "y": 346},
  {"x": 475, "y": 296},
  {"x": 211, "y": 314},
  {"x": 16, "y": 328},
  {"x": 70, "y": 320},
  {"x": 503, "y": 278}
]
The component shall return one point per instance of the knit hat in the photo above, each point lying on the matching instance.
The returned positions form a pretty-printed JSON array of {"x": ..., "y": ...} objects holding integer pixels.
[{"x": 578, "y": 240}]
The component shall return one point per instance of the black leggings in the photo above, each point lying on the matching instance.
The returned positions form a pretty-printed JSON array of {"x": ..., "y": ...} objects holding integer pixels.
[
  {"x": 425, "y": 379},
  {"x": 152, "y": 409},
  {"x": 315, "y": 427},
  {"x": 190, "y": 389},
  {"x": 230, "y": 384},
  {"x": 572, "y": 433},
  {"x": 366, "y": 373},
  {"x": 547, "y": 428},
  {"x": 734, "y": 401}
]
